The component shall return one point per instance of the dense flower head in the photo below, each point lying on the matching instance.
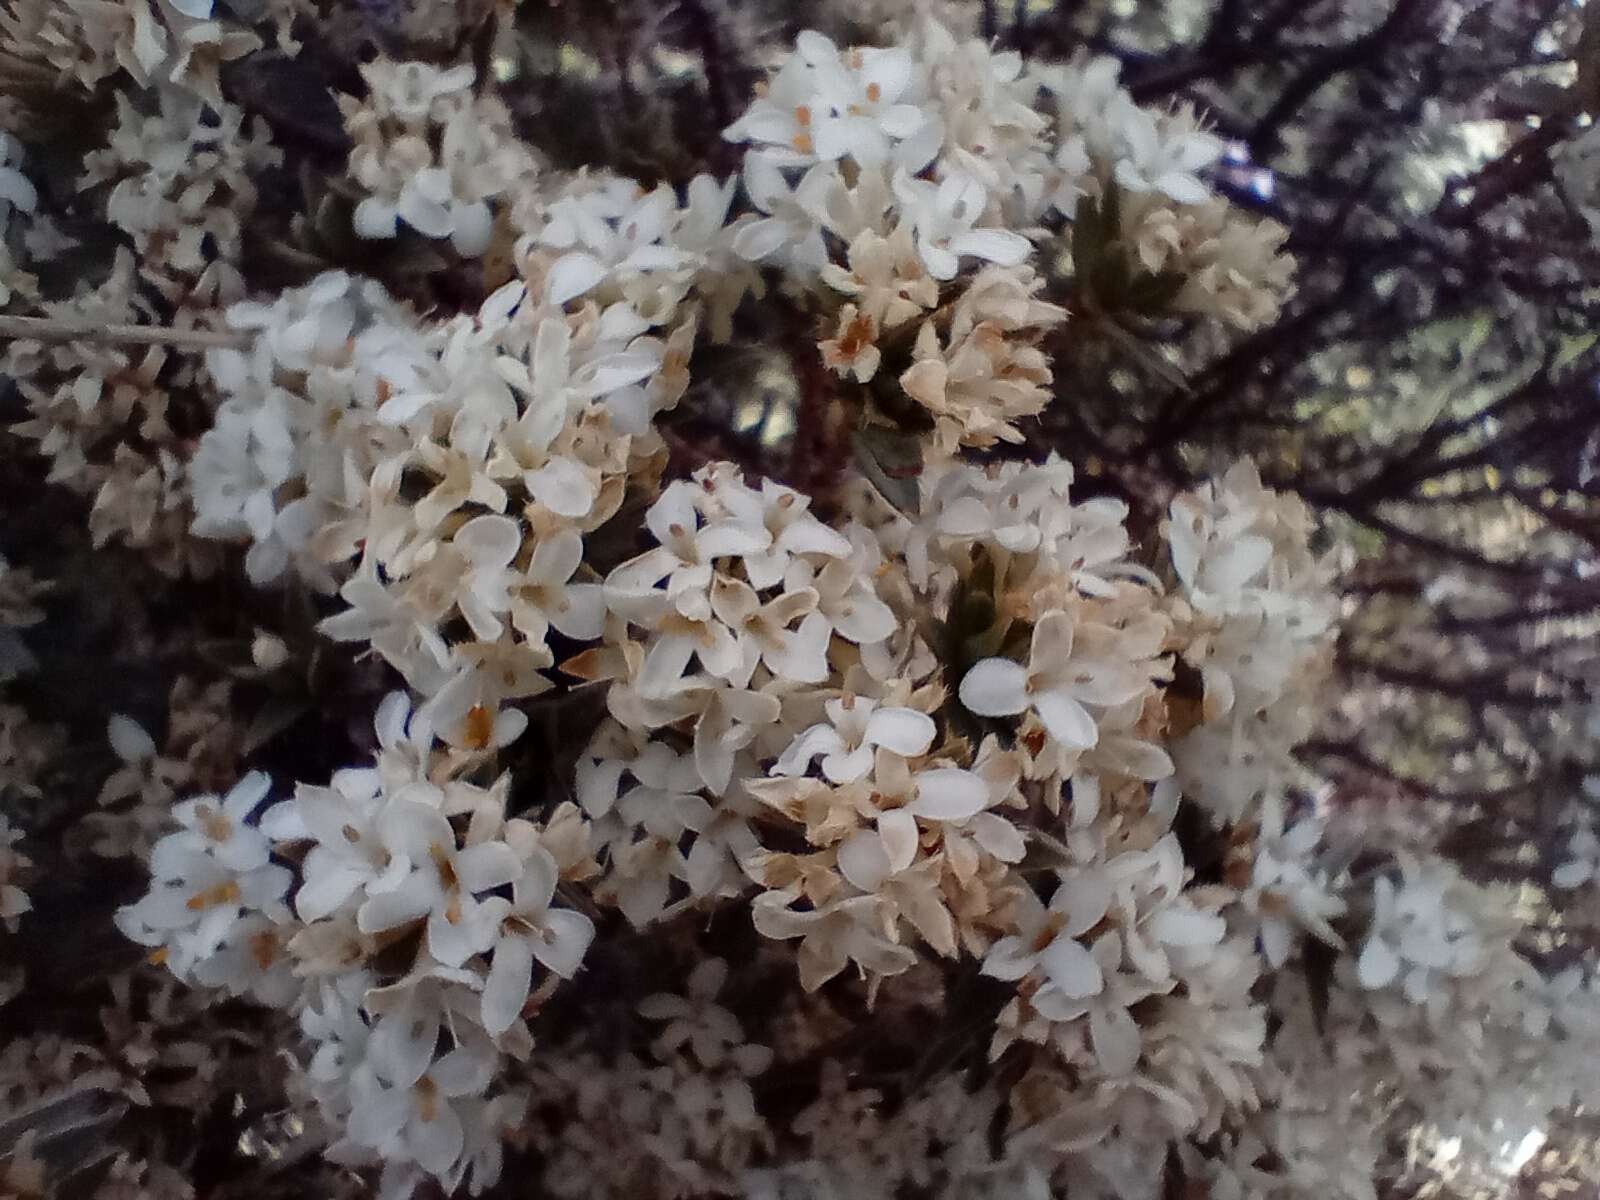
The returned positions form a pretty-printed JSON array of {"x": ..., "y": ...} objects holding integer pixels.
[{"x": 402, "y": 853}]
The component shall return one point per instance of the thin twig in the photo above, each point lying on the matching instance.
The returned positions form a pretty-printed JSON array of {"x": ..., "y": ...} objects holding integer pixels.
[{"x": 62, "y": 329}]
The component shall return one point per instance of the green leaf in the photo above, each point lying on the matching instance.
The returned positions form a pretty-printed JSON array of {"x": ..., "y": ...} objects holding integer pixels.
[{"x": 892, "y": 461}]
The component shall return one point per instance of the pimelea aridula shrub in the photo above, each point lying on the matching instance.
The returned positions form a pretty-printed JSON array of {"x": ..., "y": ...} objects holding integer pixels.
[{"x": 942, "y": 739}]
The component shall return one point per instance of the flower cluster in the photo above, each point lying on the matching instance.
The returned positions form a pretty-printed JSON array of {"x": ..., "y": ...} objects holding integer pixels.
[
  {"x": 180, "y": 183},
  {"x": 431, "y": 152},
  {"x": 1258, "y": 610},
  {"x": 115, "y": 423},
  {"x": 415, "y": 911},
  {"x": 883, "y": 174},
  {"x": 86, "y": 41}
]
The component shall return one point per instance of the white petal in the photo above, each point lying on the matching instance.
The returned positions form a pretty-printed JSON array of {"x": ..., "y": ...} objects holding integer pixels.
[
  {"x": 1378, "y": 964},
  {"x": 1572, "y": 874},
  {"x": 949, "y": 794},
  {"x": 436, "y": 1143},
  {"x": 1187, "y": 927},
  {"x": 802, "y": 656},
  {"x": 863, "y": 861},
  {"x": 584, "y": 617},
  {"x": 1071, "y": 969},
  {"x": 759, "y": 239},
  {"x": 819, "y": 739},
  {"x": 510, "y": 978},
  {"x": 906, "y": 731},
  {"x": 940, "y": 262},
  {"x": 453, "y": 942},
  {"x": 1067, "y": 720},
  {"x": 572, "y": 276},
  {"x": 374, "y": 219},
  {"x": 465, "y": 1071},
  {"x": 410, "y": 901},
  {"x": 326, "y": 887},
  {"x": 898, "y": 830},
  {"x": 401, "y": 1045},
  {"x": 1236, "y": 565},
  {"x": 569, "y": 934},
  {"x": 424, "y": 214},
  {"x": 867, "y": 620},
  {"x": 994, "y": 245},
  {"x": 490, "y": 540},
  {"x": 487, "y": 865},
  {"x": 1084, "y": 896},
  {"x": 847, "y": 768},
  {"x": 129, "y": 739},
  {"x": 998, "y": 836},
  {"x": 1276, "y": 942},
  {"x": 720, "y": 539},
  {"x": 1009, "y": 958},
  {"x": 414, "y": 829},
  {"x": 378, "y": 1118},
  {"x": 995, "y": 687},
  {"x": 563, "y": 487},
  {"x": 474, "y": 225},
  {"x": 1182, "y": 187},
  {"x": 1116, "y": 1039}
]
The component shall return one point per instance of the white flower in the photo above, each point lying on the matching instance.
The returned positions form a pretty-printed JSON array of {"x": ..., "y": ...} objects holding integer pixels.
[
  {"x": 528, "y": 929},
  {"x": 1067, "y": 669},
  {"x": 143, "y": 773},
  {"x": 488, "y": 544},
  {"x": 1418, "y": 934},
  {"x": 416, "y": 1118},
  {"x": 859, "y": 93},
  {"x": 195, "y": 902},
  {"x": 1163, "y": 156},
  {"x": 615, "y": 232},
  {"x": 220, "y": 828},
  {"x": 944, "y": 215},
  {"x": 242, "y": 460},
  {"x": 1285, "y": 891},
  {"x": 900, "y": 797},
  {"x": 16, "y": 190},
  {"x": 1583, "y": 858},
  {"x": 690, "y": 542},
  {"x": 1046, "y": 940},
  {"x": 785, "y": 514},
  {"x": 1215, "y": 555},
  {"x": 427, "y": 202},
  {"x": 696, "y": 1019},
  {"x": 1113, "y": 1033},
  {"x": 544, "y": 594},
  {"x": 405, "y": 637},
  {"x": 350, "y": 855},
  {"x": 782, "y": 118},
  {"x": 253, "y": 960},
  {"x": 857, "y": 726},
  {"x": 763, "y": 633},
  {"x": 794, "y": 216},
  {"x": 832, "y": 935},
  {"x": 443, "y": 885}
]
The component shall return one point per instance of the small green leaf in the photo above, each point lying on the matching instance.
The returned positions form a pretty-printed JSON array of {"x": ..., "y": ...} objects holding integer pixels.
[{"x": 892, "y": 461}]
